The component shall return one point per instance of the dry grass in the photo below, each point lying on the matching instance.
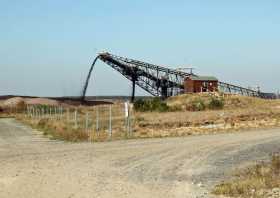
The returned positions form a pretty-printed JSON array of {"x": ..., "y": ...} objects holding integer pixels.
[
  {"x": 64, "y": 127},
  {"x": 177, "y": 119},
  {"x": 231, "y": 101},
  {"x": 254, "y": 181},
  {"x": 239, "y": 111},
  {"x": 59, "y": 130}
]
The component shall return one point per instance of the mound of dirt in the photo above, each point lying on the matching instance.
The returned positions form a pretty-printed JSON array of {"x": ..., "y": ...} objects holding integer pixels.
[
  {"x": 231, "y": 101},
  {"x": 41, "y": 101},
  {"x": 183, "y": 100},
  {"x": 16, "y": 102},
  {"x": 19, "y": 102}
]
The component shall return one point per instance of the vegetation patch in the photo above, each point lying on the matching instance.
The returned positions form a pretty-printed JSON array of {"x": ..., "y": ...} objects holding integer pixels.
[
  {"x": 155, "y": 104},
  {"x": 257, "y": 181},
  {"x": 196, "y": 105},
  {"x": 216, "y": 103},
  {"x": 59, "y": 130}
]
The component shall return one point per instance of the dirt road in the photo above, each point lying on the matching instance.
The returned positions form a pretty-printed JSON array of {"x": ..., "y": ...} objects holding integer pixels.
[{"x": 32, "y": 166}]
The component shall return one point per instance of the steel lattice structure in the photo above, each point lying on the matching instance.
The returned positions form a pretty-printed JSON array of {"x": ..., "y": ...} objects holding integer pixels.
[
  {"x": 157, "y": 80},
  {"x": 160, "y": 81}
]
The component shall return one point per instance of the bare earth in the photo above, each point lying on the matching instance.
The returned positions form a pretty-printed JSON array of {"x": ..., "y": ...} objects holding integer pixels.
[{"x": 33, "y": 166}]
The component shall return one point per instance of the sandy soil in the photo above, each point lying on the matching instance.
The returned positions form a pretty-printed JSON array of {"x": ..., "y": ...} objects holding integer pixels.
[{"x": 32, "y": 166}]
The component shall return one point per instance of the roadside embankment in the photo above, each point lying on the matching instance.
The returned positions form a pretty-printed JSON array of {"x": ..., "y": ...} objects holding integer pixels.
[{"x": 190, "y": 114}]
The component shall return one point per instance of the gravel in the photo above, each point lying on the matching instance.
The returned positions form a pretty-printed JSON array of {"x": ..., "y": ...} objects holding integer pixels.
[{"x": 34, "y": 166}]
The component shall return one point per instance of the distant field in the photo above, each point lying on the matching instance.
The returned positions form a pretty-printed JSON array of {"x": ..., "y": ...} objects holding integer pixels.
[
  {"x": 181, "y": 118},
  {"x": 90, "y": 100}
]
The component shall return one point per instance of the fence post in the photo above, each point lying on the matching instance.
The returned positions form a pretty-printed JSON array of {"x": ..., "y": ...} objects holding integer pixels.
[
  {"x": 128, "y": 125},
  {"x": 39, "y": 112},
  {"x": 50, "y": 112},
  {"x": 86, "y": 124},
  {"x": 43, "y": 112},
  {"x": 55, "y": 112},
  {"x": 67, "y": 115},
  {"x": 32, "y": 111},
  {"x": 110, "y": 121},
  {"x": 25, "y": 111},
  {"x": 97, "y": 119},
  {"x": 29, "y": 111},
  {"x": 75, "y": 118},
  {"x": 129, "y": 120},
  {"x": 36, "y": 112},
  {"x": 126, "y": 112},
  {"x": 62, "y": 112}
]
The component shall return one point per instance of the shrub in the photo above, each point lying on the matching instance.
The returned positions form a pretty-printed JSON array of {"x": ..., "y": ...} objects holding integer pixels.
[
  {"x": 216, "y": 103},
  {"x": 275, "y": 163},
  {"x": 42, "y": 123},
  {"x": 196, "y": 105},
  {"x": 175, "y": 108},
  {"x": 158, "y": 105},
  {"x": 139, "y": 105},
  {"x": 253, "y": 181},
  {"x": 155, "y": 104}
]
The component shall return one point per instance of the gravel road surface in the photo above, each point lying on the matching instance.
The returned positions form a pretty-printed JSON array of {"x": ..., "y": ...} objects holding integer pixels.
[{"x": 32, "y": 166}]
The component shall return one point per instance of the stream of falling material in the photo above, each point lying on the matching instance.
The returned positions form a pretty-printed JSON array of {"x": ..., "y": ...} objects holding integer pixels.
[{"x": 87, "y": 81}]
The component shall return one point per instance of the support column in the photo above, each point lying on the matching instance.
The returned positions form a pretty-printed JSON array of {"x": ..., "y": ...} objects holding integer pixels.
[{"x": 133, "y": 89}]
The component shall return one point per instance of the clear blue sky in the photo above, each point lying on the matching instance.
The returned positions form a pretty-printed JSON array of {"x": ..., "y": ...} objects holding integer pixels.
[{"x": 47, "y": 46}]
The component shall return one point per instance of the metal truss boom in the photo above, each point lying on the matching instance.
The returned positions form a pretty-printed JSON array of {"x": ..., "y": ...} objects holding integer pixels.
[{"x": 160, "y": 81}]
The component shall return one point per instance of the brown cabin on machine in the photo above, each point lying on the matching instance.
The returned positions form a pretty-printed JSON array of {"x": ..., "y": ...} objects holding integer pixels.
[{"x": 196, "y": 84}]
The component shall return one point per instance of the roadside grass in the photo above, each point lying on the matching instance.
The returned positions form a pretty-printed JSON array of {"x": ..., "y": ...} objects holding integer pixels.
[
  {"x": 151, "y": 105},
  {"x": 57, "y": 130},
  {"x": 215, "y": 112},
  {"x": 165, "y": 120},
  {"x": 218, "y": 100},
  {"x": 80, "y": 124},
  {"x": 186, "y": 102},
  {"x": 2, "y": 115},
  {"x": 256, "y": 181},
  {"x": 183, "y": 115}
]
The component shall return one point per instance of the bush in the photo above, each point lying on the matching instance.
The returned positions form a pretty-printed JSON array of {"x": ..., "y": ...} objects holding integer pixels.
[
  {"x": 216, "y": 103},
  {"x": 175, "y": 108},
  {"x": 254, "y": 181},
  {"x": 196, "y": 105},
  {"x": 155, "y": 104},
  {"x": 139, "y": 105}
]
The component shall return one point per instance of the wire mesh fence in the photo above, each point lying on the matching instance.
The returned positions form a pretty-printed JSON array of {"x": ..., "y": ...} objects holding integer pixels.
[{"x": 101, "y": 122}]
